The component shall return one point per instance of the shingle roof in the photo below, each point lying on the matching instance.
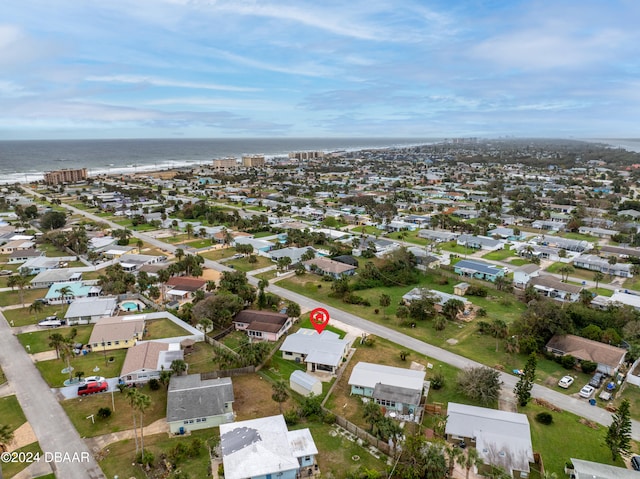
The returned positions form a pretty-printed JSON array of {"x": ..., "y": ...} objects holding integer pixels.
[
  {"x": 116, "y": 329},
  {"x": 587, "y": 350},
  {"x": 190, "y": 397}
]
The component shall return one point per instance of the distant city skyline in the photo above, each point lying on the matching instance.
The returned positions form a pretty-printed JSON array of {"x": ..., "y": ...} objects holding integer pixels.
[{"x": 376, "y": 68}]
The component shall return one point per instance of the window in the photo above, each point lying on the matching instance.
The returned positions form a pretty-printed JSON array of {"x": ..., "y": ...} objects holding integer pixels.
[
  {"x": 117, "y": 342},
  {"x": 108, "y": 343}
]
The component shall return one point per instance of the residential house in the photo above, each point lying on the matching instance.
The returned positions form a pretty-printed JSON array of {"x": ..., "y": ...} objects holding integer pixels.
[
  {"x": 576, "y": 246},
  {"x": 480, "y": 242},
  {"x": 145, "y": 361},
  {"x": 292, "y": 252},
  {"x": 397, "y": 389},
  {"x": 329, "y": 267},
  {"x": 39, "y": 264},
  {"x": 594, "y": 470},
  {"x": 262, "y": 325},
  {"x": 479, "y": 270},
  {"x": 264, "y": 448},
  {"x": 551, "y": 287},
  {"x": 323, "y": 352},
  {"x": 194, "y": 403},
  {"x": 504, "y": 233},
  {"x": 89, "y": 310},
  {"x": 599, "y": 232},
  {"x": 609, "y": 358},
  {"x": 440, "y": 298},
  {"x": 529, "y": 250},
  {"x": 182, "y": 287},
  {"x": 72, "y": 290},
  {"x": 626, "y": 297},
  {"x": 259, "y": 245},
  {"x": 48, "y": 277},
  {"x": 22, "y": 256},
  {"x": 424, "y": 259},
  {"x": 118, "y": 332},
  {"x": 523, "y": 274},
  {"x": 596, "y": 263},
  {"x": 501, "y": 438},
  {"x": 548, "y": 225},
  {"x": 17, "y": 245},
  {"x": 438, "y": 236}
]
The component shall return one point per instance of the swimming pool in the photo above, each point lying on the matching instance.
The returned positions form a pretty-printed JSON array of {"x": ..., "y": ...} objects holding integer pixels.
[{"x": 129, "y": 306}]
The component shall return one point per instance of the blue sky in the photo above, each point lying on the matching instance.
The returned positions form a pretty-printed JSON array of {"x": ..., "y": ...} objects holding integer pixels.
[{"x": 374, "y": 68}]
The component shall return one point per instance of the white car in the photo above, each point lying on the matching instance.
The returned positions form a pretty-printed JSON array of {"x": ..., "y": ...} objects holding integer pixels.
[
  {"x": 91, "y": 379},
  {"x": 587, "y": 391},
  {"x": 565, "y": 382}
]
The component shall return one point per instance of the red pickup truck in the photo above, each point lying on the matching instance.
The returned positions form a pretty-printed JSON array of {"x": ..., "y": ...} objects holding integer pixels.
[{"x": 93, "y": 387}]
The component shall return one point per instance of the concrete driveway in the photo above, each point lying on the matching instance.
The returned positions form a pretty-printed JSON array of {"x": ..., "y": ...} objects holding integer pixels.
[{"x": 71, "y": 392}]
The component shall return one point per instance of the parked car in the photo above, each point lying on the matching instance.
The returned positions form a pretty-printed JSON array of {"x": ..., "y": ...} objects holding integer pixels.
[
  {"x": 50, "y": 322},
  {"x": 90, "y": 379},
  {"x": 5, "y": 272},
  {"x": 93, "y": 387},
  {"x": 596, "y": 380},
  {"x": 635, "y": 463},
  {"x": 587, "y": 391},
  {"x": 565, "y": 382}
]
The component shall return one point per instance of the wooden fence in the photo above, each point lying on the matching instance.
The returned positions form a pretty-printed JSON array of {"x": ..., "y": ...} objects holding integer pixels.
[
  {"x": 227, "y": 373},
  {"x": 360, "y": 433}
]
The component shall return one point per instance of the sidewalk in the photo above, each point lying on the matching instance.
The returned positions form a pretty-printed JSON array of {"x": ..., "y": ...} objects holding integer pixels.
[{"x": 96, "y": 444}]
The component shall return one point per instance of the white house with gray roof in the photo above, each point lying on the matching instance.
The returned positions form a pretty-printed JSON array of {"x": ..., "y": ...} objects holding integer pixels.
[
  {"x": 594, "y": 470},
  {"x": 264, "y": 448},
  {"x": 87, "y": 310},
  {"x": 194, "y": 403},
  {"x": 320, "y": 352},
  {"x": 396, "y": 389},
  {"x": 501, "y": 438}
]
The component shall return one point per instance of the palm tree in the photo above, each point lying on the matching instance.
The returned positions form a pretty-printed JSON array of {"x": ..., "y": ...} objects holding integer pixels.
[
  {"x": 565, "y": 271},
  {"x": 499, "y": 330},
  {"x": 597, "y": 277},
  {"x": 178, "y": 366},
  {"x": 21, "y": 282},
  {"x": 64, "y": 291},
  {"x": 6, "y": 436},
  {"x": 471, "y": 459},
  {"x": 143, "y": 401},
  {"x": 132, "y": 397},
  {"x": 454, "y": 455},
  {"x": 179, "y": 253},
  {"x": 206, "y": 324},
  {"x": 36, "y": 307},
  {"x": 280, "y": 393},
  {"x": 189, "y": 230},
  {"x": 55, "y": 341}
]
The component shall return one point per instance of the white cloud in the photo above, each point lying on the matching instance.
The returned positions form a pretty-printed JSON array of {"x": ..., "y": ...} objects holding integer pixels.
[{"x": 163, "y": 82}]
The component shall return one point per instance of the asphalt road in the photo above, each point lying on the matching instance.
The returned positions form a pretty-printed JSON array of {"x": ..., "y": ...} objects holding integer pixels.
[
  {"x": 50, "y": 423},
  {"x": 577, "y": 406}
]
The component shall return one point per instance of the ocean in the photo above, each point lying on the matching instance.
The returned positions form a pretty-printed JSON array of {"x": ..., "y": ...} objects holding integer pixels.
[{"x": 24, "y": 161}]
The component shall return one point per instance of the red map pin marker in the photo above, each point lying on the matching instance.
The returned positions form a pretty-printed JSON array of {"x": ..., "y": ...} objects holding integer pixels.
[{"x": 319, "y": 317}]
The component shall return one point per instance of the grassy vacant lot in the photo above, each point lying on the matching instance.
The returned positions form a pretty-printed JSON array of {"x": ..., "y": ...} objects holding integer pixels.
[
  {"x": 51, "y": 370},
  {"x": 120, "y": 419},
  {"x": 199, "y": 243},
  {"x": 243, "y": 264},
  {"x": 51, "y": 251},
  {"x": 24, "y": 317},
  {"x": 577, "y": 272},
  {"x": 409, "y": 237},
  {"x": 118, "y": 457},
  {"x": 500, "y": 254},
  {"x": 632, "y": 283},
  {"x": 39, "y": 340},
  {"x": 566, "y": 437},
  {"x": 201, "y": 359},
  {"x": 8, "y": 298},
  {"x": 219, "y": 254},
  {"x": 162, "y": 328}
]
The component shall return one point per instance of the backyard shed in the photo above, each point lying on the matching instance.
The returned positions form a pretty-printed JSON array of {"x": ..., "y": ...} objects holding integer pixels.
[{"x": 305, "y": 384}]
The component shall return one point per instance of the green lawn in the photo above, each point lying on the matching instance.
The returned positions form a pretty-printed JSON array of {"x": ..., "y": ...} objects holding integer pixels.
[
  {"x": 579, "y": 237},
  {"x": 577, "y": 272},
  {"x": 243, "y": 264},
  {"x": 518, "y": 261},
  {"x": 279, "y": 369},
  {"x": 51, "y": 251},
  {"x": 23, "y": 317},
  {"x": 39, "y": 341},
  {"x": 163, "y": 328},
  {"x": 500, "y": 255},
  {"x": 262, "y": 234},
  {"x": 268, "y": 275},
  {"x": 201, "y": 359},
  {"x": 52, "y": 370},
  {"x": 199, "y": 243},
  {"x": 632, "y": 283},
  {"x": 219, "y": 254},
  {"x": 120, "y": 420},
  {"x": 11, "y": 412},
  {"x": 13, "y": 468},
  {"x": 8, "y": 298},
  {"x": 118, "y": 460},
  {"x": 409, "y": 237},
  {"x": 566, "y": 437}
]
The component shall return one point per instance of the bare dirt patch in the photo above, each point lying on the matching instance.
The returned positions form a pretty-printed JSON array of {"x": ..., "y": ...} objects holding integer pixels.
[
  {"x": 22, "y": 436},
  {"x": 253, "y": 398}
]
